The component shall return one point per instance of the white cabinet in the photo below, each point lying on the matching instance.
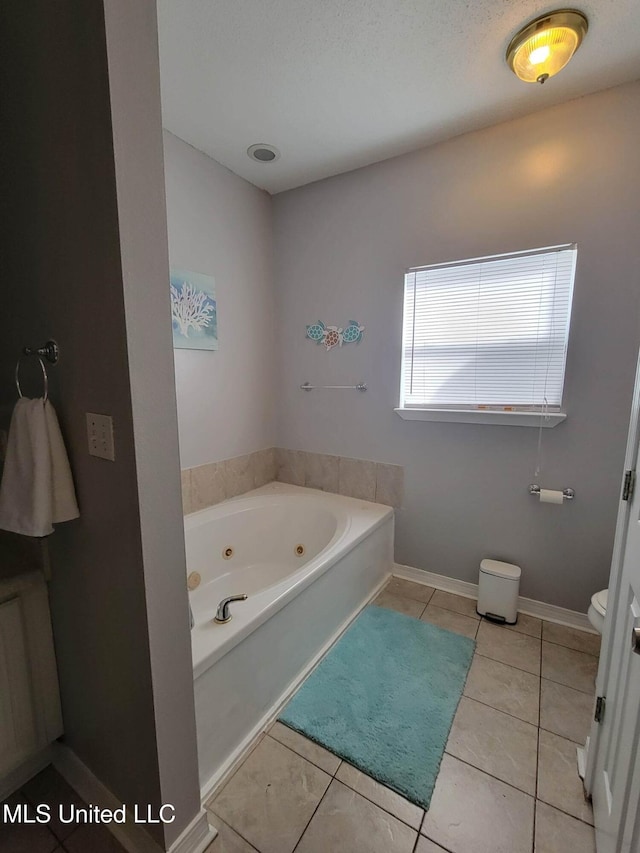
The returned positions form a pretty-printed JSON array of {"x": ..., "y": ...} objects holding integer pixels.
[
  {"x": 30, "y": 717},
  {"x": 18, "y": 737}
]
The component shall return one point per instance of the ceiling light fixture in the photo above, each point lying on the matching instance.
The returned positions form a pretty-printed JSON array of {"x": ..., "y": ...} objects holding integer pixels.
[
  {"x": 544, "y": 46},
  {"x": 263, "y": 153}
]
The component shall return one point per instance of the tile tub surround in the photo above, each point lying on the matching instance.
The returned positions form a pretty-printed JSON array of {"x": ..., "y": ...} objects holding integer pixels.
[
  {"x": 500, "y": 767},
  {"x": 355, "y": 478},
  {"x": 206, "y": 485}
]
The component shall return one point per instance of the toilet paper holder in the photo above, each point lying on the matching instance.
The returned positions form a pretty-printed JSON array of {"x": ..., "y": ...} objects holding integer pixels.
[{"x": 568, "y": 494}]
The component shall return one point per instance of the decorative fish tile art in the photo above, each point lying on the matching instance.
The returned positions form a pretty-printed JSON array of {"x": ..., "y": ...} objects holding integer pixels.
[{"x": 332, "y": 336}]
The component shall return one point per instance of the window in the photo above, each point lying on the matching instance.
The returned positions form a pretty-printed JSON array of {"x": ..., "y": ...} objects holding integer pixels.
[{"x": 487, "y": 334}]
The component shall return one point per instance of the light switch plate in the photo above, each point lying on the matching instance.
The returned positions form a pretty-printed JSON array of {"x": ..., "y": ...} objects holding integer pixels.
[{"x": 100, "y": 436}]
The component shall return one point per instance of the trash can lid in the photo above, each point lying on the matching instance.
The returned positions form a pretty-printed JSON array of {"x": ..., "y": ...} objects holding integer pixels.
[{"x": 500, "y": 570}]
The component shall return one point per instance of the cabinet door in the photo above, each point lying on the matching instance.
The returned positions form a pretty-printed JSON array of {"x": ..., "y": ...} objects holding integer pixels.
[{"x": 17, "y": 730}]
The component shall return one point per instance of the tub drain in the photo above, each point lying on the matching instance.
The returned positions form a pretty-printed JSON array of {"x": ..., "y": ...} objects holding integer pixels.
[
  {"x": 227, "y": 554},
  {"x": 299, "y": 549}
]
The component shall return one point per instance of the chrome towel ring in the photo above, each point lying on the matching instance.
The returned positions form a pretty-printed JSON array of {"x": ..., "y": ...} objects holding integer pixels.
[
  {"x": 45, "y": 379},
  {"x": 49, "y": 351}
]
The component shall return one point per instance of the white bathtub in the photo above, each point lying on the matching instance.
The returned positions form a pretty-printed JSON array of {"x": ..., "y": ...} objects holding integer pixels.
[{"x": 296, "y": 607}]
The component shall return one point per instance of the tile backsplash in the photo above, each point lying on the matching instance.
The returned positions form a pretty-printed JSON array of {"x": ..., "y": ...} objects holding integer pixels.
[
  {"x": 209, "y": 484},
  {"x": 355, "y": 478}
]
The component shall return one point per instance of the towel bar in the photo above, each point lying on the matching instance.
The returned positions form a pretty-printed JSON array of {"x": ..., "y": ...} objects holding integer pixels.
[{"x": 361, "y": 386}]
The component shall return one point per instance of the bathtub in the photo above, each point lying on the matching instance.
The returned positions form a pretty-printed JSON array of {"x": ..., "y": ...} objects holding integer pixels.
[{"x": 308, "y": 562}]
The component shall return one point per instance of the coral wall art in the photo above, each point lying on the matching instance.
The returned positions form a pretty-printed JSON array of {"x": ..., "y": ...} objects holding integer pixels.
[
  {"x": 194, "y": 317},
  {"x": 333, "y": 336}
]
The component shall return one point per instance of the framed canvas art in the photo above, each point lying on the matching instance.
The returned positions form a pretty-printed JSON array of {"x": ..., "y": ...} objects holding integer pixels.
[{"x": 194, "y": 316}]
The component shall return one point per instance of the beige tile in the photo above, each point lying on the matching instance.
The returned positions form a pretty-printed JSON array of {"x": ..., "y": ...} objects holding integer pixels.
[
  {"x": 387, "y": 799},
  {"x": 227, "y": 841},
  {"x": 408, "y": 606},
  {"x": 357, "y": 478},
  {"x": 471, "y": 811},
  {"x": 207, "y": 485},
  {"x": 314, "y": 753},
  {"x": 49, "y": 787},
  {"x": 451, "y": 621},
  {"x": 558, "y": 833},
  {"x": 572, "y": 638},
  {"x": 565, "y": 711},
  {"x": 185, "y": 480},
  {"x": 345, "y": 822},
  {"x": 426, "y": 846},
  {"x": 497, "y": 743},
  {"x": 457, "y": 603},
  {"x": 93, "y": 837},
  {"x": 238, "y": 475},
  {"x": 525, "y": 625},
  {"x": 409, "y": 589},
  {"x": 22, "y": 837},
  {"x": 271, "y": 798},
  {"x": 503, "y": 687},
  {"x": 389, "y": 484},
  {"x": 567, "y": 666},
  {"x": 290, "y": 466},
  {"x": 558, "y": 782},
  {"x": 321, "y": 471},
  {"x": 263, "y": 463},
  {"x": 509, "y": 647}
]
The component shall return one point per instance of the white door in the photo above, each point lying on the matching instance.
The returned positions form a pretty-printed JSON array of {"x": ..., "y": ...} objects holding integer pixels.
[{"x": 616, "y": 774}]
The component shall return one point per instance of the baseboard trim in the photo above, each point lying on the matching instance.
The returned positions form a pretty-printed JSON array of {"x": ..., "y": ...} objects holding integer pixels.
[
  {"x": 132, "y": 837},
  {"x": 226, "y": 770},
  {"x": 539, "y": 609},
  {"x": 582, "y": 760},
  {"x": 194, "y": 839},
  {"x": 27, "y": 770}
]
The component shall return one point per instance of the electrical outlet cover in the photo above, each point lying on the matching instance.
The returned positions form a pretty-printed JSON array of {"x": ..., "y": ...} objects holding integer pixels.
[{"x": 100, "y": 436}]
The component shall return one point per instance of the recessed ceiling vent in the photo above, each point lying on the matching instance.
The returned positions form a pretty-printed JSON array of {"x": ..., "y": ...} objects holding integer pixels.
[{"x": 262, "y": 153}]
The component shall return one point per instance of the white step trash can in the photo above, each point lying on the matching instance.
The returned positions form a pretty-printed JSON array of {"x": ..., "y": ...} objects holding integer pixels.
[{"x": 498, "y": 590}]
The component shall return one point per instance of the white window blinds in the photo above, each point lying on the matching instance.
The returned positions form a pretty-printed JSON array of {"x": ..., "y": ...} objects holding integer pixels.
[{"x": 489, "y": 332}]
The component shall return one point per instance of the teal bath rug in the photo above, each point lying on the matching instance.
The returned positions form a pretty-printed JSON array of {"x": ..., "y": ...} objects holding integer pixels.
[{"x": 384, "y": 699}]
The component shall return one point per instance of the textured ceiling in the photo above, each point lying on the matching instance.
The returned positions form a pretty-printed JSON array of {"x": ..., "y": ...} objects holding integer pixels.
[{"x": 338, "y": 84}]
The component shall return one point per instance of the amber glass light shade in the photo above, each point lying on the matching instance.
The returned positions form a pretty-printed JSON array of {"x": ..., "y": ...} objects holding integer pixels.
[{"x": 544, "y": 46}]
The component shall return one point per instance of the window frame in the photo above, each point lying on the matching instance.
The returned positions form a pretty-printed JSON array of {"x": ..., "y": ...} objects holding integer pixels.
[{"x": 526, "y": 415}]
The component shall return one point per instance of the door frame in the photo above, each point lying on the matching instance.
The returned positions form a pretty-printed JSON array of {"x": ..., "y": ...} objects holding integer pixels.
[{"x": 594, "y": 742}]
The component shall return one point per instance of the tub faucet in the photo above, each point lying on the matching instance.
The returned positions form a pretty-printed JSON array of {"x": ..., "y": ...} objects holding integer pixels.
[{"x": 222, "y": 614}]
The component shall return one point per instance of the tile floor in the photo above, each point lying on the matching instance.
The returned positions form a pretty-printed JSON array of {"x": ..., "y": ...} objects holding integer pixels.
[
  {"x": 508, "y": 781},
  {"x": 49, "y": 787}
]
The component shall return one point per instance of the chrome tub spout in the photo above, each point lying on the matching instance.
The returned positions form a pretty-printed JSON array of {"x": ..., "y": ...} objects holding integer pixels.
[{"x": 222, "y": 614}]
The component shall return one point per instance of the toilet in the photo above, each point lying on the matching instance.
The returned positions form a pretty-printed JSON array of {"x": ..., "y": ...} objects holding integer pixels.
[{"x": 598, "y": 609}]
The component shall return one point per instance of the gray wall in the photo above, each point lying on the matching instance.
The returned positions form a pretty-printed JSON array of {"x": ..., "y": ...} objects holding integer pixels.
[
  {"x": 569, "y": 173},
  {"x": 132, "y": 51},
  {"x": 115, "y": 581},
  {"x": 221, "y": 225}
]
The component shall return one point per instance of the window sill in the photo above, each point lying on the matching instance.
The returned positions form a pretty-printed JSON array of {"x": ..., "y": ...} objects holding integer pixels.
[{"x": 486, "y": 416}]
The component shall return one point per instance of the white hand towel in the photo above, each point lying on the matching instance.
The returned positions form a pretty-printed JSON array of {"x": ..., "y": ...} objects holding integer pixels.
[
  {"x": 37, "y": 488},
  {"x": 63, "y": 493}
]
